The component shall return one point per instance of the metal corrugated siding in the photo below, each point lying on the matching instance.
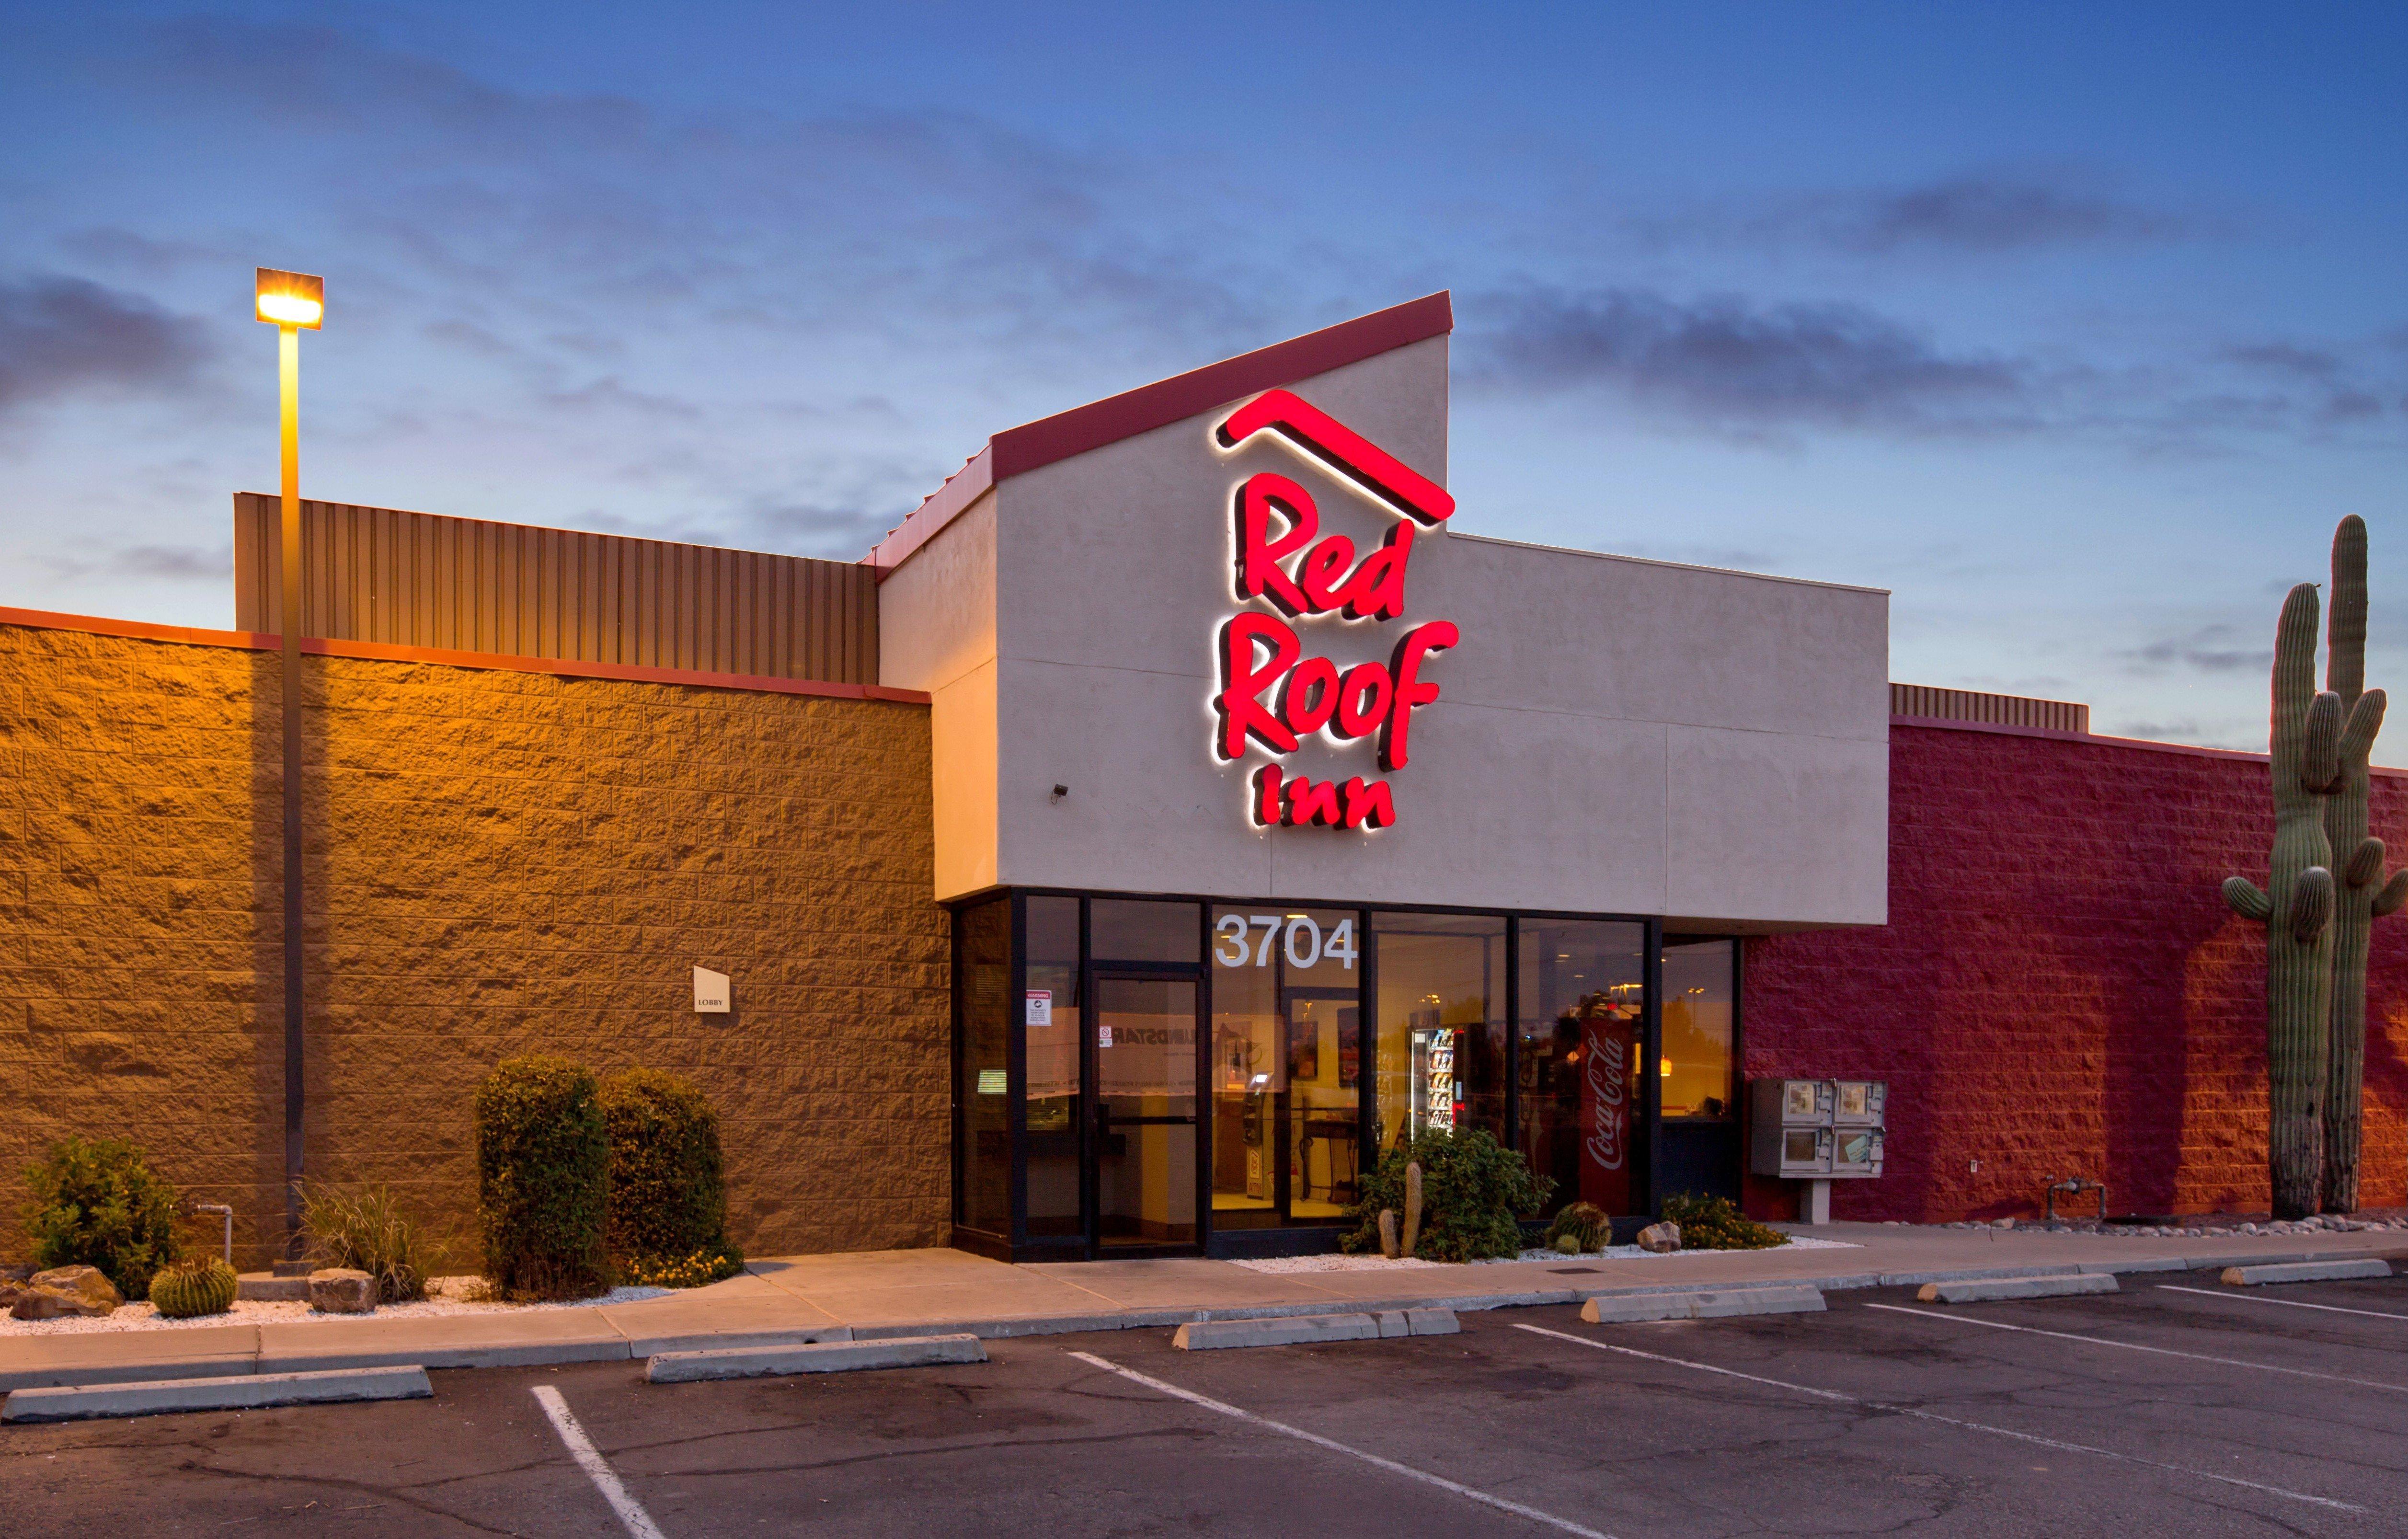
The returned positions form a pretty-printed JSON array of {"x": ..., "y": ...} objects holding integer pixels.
[
  {"x": 1968, "y": 705},
  {"x": 422, "y": 579}
]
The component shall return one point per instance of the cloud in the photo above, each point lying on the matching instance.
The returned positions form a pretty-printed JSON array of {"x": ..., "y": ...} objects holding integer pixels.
[
  {"x": 1994, "y": 211},
  {"x": 178, "y": 563},
  {"x": 1760, "y": 371},
  {"x": 611, "y": 394},
  {"x": 1977, "y": 213},
  {"x": 1730, "y": 361},
  {"x": 547, "y": 214},
  {"x": 60, "y": 335},
  {"x": 2209, "y": 649}
]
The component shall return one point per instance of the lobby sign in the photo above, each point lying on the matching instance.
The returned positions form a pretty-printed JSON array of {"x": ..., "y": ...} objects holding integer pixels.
[{"x": 1271, "y": 694}]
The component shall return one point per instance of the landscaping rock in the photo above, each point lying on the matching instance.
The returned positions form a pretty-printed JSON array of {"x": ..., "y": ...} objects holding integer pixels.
[
  {"x": 20, "y": 1272},
  {"x": 1660, "y": 1239},
  {"x": 54, "y": 1303},
  {"x": 85, "y": 1282},
  {"x": 342, "y": 1290}
]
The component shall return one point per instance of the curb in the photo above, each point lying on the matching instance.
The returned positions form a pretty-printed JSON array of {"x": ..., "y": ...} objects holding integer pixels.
[
  {"x": 617, "y": 1349},
  {"x": 497, "y": 1354},
  {"x": 216, "y": 1365},
  {"x": 1993, "y": 1288},
  {"x": 248, "y": 1393},
  {"x": 830, "y": 1356},
  {"x": 1703, "y": 1303},
  {"x": 2304, "y": 1272}
]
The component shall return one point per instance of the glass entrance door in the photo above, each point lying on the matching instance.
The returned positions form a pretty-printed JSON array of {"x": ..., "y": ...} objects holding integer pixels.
[{"x": 1144, "y": 1144}]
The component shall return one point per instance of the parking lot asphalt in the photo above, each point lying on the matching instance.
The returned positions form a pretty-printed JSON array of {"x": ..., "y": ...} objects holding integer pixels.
[{"x": 2186, "y": 1409}]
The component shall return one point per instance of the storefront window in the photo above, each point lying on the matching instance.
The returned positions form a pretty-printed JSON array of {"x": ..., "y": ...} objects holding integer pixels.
[
  {"x": 1583, "y": 985},
  {"x": 1051, "y": 1015},
  {"x": 1133, "y": 931},
  {"x": 1697, "y": 1067},
  {"x": 1286, "y": 1064},
  {"x": 1442, "y": 1013},
  {"x": 983, "y": 1093}
]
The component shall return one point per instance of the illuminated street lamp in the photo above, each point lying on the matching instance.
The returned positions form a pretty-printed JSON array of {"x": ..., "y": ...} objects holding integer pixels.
[{"x": 292, "y": 302}]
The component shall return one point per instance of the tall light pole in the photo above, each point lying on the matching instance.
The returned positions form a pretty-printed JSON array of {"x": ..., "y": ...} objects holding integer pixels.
[{"x": 292, "y": 301}]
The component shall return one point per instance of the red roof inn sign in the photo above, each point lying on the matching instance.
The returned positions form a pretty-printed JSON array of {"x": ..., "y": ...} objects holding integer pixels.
[{"x": 1270, "y": 693}]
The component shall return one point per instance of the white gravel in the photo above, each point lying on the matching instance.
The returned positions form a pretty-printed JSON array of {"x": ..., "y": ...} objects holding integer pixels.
[
  {"x": 1277, "y": 1264},
  {"x": 1335, "y": 1262},
  {"x": 445, "y": 1301}
]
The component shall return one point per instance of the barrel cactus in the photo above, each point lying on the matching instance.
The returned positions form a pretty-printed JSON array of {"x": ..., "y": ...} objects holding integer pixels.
[
  {"x": 1580, "y": 1227},
  {"x": 2362, "y": 895},
  {"x": 193, "y": 1288},
  {"x": 2308, "y": 742}
]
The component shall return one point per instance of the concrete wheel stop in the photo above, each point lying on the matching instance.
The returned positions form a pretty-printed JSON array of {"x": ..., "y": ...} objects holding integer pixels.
[
  {"x": 1300, "y": 1329},
  {"x": 1990, "y": 1289},
  {"x": 825, "y": 1356},
  {"x": 1701, "y": 1303},
  {"x": 2306, "y": 1272},
  {"x": 238, "y": 1392}
]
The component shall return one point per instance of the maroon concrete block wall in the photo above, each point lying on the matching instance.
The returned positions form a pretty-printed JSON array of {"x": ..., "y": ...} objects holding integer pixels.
[{"x": 2061, "y": 989}]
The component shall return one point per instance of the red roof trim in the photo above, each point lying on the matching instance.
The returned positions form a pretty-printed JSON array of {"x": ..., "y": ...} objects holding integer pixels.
[
  {"x": 1035, "y": 445},
  {"x": 252, "y": 640},
  {"x": 944, "y": 505}
]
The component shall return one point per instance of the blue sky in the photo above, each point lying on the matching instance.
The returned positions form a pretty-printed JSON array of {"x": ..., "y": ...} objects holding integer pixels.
[{"x": 2076, "y": 326}]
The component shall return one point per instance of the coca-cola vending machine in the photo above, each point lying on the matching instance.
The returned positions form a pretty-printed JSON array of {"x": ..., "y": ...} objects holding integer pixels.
[{"x": 1610, "y": 1053}]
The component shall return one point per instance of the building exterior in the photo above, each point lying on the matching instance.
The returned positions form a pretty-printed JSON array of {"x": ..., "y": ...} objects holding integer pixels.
[
  {"x": 2061, "y": 989},
  {"x": 1188, "y": 1020},
  {"x": 1172, "y": 813}
]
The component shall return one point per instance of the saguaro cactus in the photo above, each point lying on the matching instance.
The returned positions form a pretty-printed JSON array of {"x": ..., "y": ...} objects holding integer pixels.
[
  {"x": 2362, "y": 894},
  {"x": 2296, "y": 906}
]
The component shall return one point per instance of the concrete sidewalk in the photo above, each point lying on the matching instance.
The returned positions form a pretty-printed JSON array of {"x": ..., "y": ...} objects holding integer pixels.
[{"x": 937, "y": 1292}]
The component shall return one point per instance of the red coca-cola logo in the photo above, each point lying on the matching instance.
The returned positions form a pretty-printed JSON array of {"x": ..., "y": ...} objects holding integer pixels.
[
  {"x": 1607, "y": 1148},
  {"x": 1271, "y": 696}
]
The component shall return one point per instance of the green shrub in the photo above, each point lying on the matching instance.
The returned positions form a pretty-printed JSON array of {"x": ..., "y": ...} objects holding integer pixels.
[
  {"x": 97, "y": 1204},
  {"x": 368, "y": 1230},
  {"x": 543, "y": 1179},
  {"x": 1472, "y": 1190},
  {"x": 668, "y": 1192},
  {"x": 1711, "y": 1223},
  {"x": 1587, "y": 1226},
  {"x": 185, "y": 1289}
]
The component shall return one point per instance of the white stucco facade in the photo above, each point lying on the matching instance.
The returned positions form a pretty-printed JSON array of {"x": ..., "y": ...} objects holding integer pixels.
[{"x": 1612, "y": 736}]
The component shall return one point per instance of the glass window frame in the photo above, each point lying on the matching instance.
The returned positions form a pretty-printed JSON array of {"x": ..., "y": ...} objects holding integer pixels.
[
  {"x": 1020, "y": 1246},
  {"x": 1737, "y": 1085},
  {"x": 1363, "y": 993}
]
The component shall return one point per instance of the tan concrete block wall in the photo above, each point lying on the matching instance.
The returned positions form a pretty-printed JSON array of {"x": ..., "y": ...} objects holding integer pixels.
[{"x": 498, "y": 862}]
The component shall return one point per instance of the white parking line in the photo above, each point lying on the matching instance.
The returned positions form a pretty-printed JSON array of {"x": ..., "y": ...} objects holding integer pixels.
[
  {"x": 1949, "y": 1421},
  {"x": 2135, "y": 1347},
  {"x": 2291, "y": 1304},
  {"x": 639, "y": 1522},
  {"x": 1467, "y": 1492}
]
